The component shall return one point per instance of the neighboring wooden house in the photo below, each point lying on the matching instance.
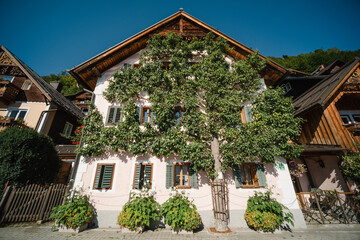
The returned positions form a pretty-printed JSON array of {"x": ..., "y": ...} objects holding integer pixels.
[
  {"x": 81, "y": 100},
  {"x": 331, "y": 111},
  {"x": 110, "y": 178},
  {"x": 25, "y": 97}
]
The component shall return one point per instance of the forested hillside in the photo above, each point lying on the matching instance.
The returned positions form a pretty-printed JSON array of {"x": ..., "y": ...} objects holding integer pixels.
[
  {"x": 68, "y": 82},
  {"x": 308, "y": 62}
]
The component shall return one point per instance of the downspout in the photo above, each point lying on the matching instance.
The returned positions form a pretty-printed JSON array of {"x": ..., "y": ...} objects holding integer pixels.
[{"x": 77, "y": 158}]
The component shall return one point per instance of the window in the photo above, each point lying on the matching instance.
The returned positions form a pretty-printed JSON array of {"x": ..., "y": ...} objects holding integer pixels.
[
  {"x": 180, "y": 175},
  {"x": 247, "y": 113},
  {"x": 17, "y": 114},
  {"x": 143, "y": 176},
  {"x": 26, "y": 85},
  {"x": 250, "y": 175},
  {"x": 147, "y": 115},
  {"x": 179, "y": 114},
  {"x": 6, "y": 78},
  {"x": 127, "y": 66},
  {"x": 287, "y": 88},
  {"x": 104, "y": 176},
  {"x": 67, "y": 129},
  {"x": 114, "y": 115},
  {"x": 349, "y": 117}
]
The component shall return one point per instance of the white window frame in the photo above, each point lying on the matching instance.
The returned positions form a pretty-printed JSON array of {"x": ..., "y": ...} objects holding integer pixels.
[
  {"x": 68, "y": 127},
  {"x": 349, "y": 115},
  {"x": 23, "y": 86},
  {"x": 10, "y": 109},
  {"x": 287, "y": 87}
]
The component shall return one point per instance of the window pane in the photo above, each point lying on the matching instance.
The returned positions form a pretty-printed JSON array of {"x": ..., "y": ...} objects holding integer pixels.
[
  {"x": 13, "y": 113},
  {"x": 248, "y": 175},
  {"x": 185, "y": 170},
  {"x": 345, "y": 119},
  {"x": 22, "y": 114},
  {"x": 177, "y": 117},
  {"x": 185, "y": 180},
  {"x": 177, "y": 180},
  {"x": 151, "y": 116},
  {"x": 146, "y": 116},
  {"x": 356, "y": 118},
  {"x": 177, "y": 170}
]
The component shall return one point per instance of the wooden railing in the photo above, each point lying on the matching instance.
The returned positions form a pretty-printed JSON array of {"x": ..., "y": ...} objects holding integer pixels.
[
  {"x": 30, "y": 203},
  {"x": 326, "y": 206},
  {"x": 8, "y": 91}
]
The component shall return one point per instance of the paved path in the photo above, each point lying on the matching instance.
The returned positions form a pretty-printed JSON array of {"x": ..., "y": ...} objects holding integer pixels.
[{"x": 34, "y": 232}]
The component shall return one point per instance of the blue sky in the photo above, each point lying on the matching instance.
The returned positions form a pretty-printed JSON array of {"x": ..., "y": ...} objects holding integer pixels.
[{"x": 52, "y": 36}]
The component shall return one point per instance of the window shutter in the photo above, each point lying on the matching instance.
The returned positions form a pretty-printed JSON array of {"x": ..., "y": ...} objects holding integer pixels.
[
  {"x": 97, "y": 176},
  {"x": 117, "y": 114},
  {"x": 138, "y": 112},
  {"x": 147, "y": 176},
  {"x": 238, "y": 175},
  {"x": 260, "y": 173},
  {"x": 193, "y": 178},
  {"x": 248, "y": 113},
  {"x": 107, "y": 176},
  {"x": 169, "y": 176},
  {"x": 111, "y": 115},
  {"x": 137, "y": 176}
]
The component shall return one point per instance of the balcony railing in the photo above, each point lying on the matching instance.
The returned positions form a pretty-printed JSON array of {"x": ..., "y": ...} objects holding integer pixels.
[{"x": 8, "y": 91}]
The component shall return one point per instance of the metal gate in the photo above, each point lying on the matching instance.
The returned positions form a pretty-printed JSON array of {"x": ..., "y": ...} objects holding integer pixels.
[
  {"x": 220, "y": 199},
  {"x": 30, "y": 203}
]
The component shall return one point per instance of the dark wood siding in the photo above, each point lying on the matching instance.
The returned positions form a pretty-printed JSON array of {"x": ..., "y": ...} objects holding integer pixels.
[{"x": 57, "y": 126}]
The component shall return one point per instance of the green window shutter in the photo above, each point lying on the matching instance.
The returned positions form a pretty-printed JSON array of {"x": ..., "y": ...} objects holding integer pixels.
[
  {"x": 193, "y": 178},
  {"x": 238, "y": 175},
  {"x": 147, "y": 175},
  {"x": 248, "y": 113},
  {"x": 137, "y": 176},
  {"x": 138, "y": 112},
  {"x": 169, "y": 176},
  {"x": 97, "y": 176},
  {"x": 107, "y": 176},
  {"x": 117, "y": 115},
  {"x": 111, "y": 115},
  {"x": 260, "y": 173}
]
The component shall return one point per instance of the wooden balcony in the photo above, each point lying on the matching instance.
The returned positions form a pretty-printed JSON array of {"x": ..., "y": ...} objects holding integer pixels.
[{"x": 8, "y": 92}]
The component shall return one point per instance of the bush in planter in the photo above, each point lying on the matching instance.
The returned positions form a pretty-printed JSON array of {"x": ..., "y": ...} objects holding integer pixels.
[
  {"x": 180, "y": 213},
  {"x": 139, "y": 211},
  {"x": 265, "y": 213},
  {"x": 75, "y": 212}
]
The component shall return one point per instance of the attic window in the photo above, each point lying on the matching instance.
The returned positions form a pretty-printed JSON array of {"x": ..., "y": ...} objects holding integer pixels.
[
  {"x": 6, "y": 78},
  {"x": 287, "y": 88},
  {"x": 349, "y": 117},
  {"x": 26, "y": 85}
]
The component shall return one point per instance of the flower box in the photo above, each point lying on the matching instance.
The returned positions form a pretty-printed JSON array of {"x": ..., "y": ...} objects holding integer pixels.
[{"x": 63, "y": 228}]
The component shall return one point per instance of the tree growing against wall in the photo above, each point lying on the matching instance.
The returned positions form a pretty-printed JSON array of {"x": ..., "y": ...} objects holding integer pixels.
[
  {"x": 197, "y": 81},
  {"x": 26, "y": 157}
]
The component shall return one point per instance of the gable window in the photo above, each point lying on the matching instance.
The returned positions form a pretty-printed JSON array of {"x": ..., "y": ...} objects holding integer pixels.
[
  {"x": 180, "y": 175},
  {"x": 26, "y": 85},
  {"x": 17, "y": 114},
  {"x": 6, "y": 78},
  {"x": 250, "y": 175},
  {"x": 179, "y": 114},
  {"x": 104, "y": 176},
  {"x": 143, "y": 176},
  {"x": 287, "y": 88},
  {"x": 147, "y": 115},
  {"x": 67, "y": 129},
  {"x": 349, "y": 117},
  {"x": 114, "y": 115}
]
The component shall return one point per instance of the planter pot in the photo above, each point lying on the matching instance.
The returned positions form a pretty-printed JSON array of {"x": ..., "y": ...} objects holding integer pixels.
[
  {"x": 181, "y": 231},
  {"x": 126, "y": 230},
  {"x": 63, "y": 228}
]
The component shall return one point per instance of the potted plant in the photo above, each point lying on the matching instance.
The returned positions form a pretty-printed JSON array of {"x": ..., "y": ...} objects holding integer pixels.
[
  {"x": 264, "y": 213},
  {"x": 74, "y": 214},
  {"x": 137, "y": 214},
  {"x": 180, "y": 213}
]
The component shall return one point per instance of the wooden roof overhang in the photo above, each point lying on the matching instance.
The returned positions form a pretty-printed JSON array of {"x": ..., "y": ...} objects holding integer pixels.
[{"x": 181, "y": 23}]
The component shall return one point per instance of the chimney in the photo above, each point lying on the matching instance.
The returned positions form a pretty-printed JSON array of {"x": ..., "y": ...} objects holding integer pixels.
[{"x": 57, "y": 85}]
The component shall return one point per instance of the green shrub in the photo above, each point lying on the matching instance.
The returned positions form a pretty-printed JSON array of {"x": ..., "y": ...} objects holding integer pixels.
[
  {"x": 180, "y": 213},
  {"x": 26, "y": 157},
  {"x": 75, "y": 212},
  {"x": 138, "y": 213},
  {"x": 265, "y": 213}
]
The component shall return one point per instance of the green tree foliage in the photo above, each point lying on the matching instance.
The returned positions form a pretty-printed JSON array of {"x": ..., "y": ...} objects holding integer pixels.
[
  {"x": 351, "y": 167},
  {"x": 26, "y": 157},
  {"x": 68, "y": 82},
  {"x": 212, "y": 92},
  {"x": 308, "y": 62}
]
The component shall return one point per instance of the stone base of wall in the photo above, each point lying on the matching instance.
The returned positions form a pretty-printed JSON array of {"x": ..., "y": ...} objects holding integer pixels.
[{"x": 108, "y": 219}]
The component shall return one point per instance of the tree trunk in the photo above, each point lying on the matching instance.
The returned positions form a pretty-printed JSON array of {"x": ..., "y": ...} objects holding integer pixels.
[{"x": 220, "y": 218}]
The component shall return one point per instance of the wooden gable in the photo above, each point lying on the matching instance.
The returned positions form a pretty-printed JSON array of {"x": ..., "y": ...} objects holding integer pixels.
[{"x": 180, "y": 23}]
